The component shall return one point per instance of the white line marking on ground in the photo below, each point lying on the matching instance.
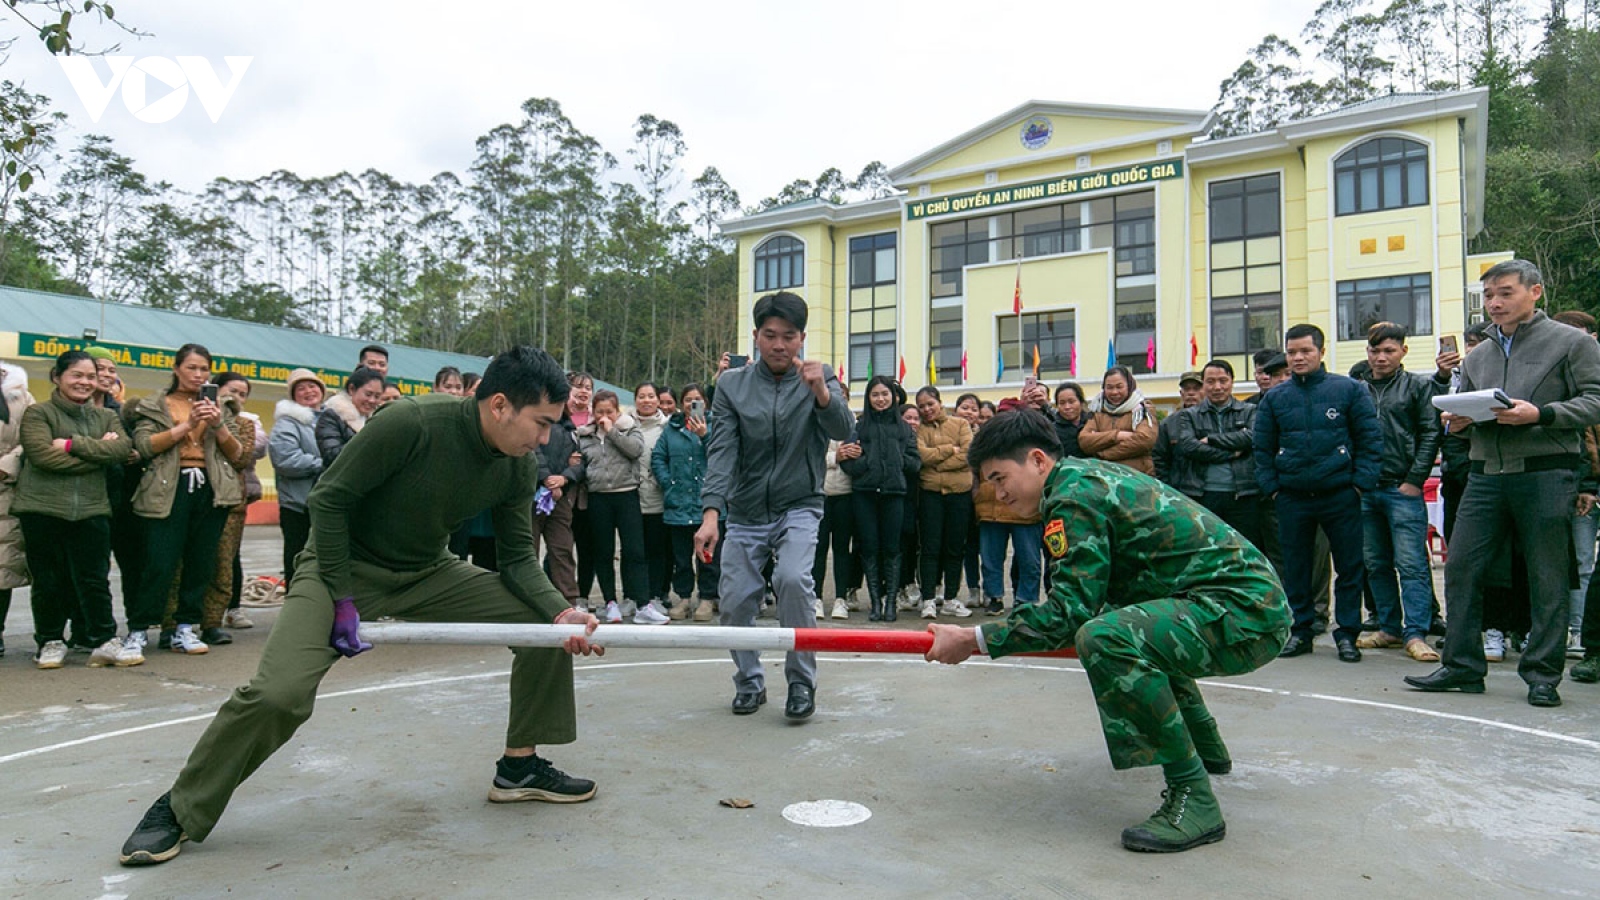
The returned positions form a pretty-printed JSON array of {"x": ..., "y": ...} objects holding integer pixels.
[{"x": 482, "y": 676}]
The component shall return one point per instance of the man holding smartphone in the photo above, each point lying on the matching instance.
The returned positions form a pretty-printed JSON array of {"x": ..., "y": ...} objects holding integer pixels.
[{"x": 764, "y": 468}]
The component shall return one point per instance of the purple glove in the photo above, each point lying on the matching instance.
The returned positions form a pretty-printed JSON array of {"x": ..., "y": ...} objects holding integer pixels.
[
  {"x": 544, "y": 502},
  {"x": 346, "y": 636}
]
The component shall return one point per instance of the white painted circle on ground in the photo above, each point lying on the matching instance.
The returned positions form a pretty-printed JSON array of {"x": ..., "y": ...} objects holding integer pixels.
[{"x": 826, "y": 813}]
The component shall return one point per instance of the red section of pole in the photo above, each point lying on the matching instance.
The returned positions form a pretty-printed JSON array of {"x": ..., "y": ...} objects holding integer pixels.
[{"x": 846, "y": 640}]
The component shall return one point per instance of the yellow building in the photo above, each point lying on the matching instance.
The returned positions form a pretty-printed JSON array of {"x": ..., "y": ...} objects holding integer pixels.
[{"x": 1127, "y": 233}]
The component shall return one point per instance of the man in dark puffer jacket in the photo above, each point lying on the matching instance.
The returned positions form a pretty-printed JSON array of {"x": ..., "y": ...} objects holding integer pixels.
[{"x": 1317, "y": 446}]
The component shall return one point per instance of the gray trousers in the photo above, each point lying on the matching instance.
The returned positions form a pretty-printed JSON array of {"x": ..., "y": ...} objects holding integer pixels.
[
  {"x": 1534, "y": 509},
  {"x": 791, "y": 544}
]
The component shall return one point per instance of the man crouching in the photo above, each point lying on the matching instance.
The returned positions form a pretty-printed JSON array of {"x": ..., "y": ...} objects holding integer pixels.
[{"x": 1154, "y": 592}]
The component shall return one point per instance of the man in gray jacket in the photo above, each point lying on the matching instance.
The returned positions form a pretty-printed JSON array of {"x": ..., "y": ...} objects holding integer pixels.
[
  {"x": 764, "y": 468},
  {"x": 1522, "y": 483},
  {"x": 1213, "y": 453}
]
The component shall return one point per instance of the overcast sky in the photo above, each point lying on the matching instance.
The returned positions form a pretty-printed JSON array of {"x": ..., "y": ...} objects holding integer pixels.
[{"x": 765, "y": 92}]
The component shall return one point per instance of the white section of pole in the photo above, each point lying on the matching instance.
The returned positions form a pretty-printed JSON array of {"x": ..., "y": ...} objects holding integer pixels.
[{"x": 676, "y": 637}]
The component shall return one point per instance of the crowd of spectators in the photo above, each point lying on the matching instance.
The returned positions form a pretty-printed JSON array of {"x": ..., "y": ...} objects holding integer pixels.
[{"x": 1329, "y": 474}]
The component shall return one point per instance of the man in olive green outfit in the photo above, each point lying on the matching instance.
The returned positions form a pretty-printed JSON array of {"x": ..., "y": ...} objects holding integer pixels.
[
  {"x": 380, "y": 521},
  {"x": 1154, "y": 591}
]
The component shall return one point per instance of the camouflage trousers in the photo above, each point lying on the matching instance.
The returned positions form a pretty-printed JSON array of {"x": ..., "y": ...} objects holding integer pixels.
[{"x": 1142, "y": 661}]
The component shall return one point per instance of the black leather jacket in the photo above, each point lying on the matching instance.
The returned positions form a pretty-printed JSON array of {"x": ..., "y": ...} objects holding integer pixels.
[
  {"x": 1410, "y": 426},
  {"x": 1229, "y": 434}
]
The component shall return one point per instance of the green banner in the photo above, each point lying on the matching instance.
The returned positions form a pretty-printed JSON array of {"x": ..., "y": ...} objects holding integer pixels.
[
  {"x": 47, "y": 346},
  {"x": 1066, "y": 185}
]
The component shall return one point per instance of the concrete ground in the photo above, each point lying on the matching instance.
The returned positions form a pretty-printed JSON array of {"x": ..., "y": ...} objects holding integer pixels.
[{"x": 987, "y": 780}]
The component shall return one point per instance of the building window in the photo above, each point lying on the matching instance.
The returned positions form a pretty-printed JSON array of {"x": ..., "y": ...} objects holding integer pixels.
[
  {"x": 873, "y": 301},
  {"x": 1405, "y": 300},
  {"x": 1135, "y": 238},
  {"x": 1124, "y": 221},
  {"x": 1246, "y": 262},
  {"x": 872, "y": 260},
  {"x": 780, "y": 263},
  {"x": 1383, "y": 173},
  {"x": 946, "y": 343},
  {"x": 1052, "y": 332}
]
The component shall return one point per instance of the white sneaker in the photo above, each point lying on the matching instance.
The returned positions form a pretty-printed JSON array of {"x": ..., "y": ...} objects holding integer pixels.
[
  {"x": 840, "y": 609},
  {"x": 1574, "y": 645},
  {"x": 1494, "y": 645},
  {"x": 184, "y": 640},
  {"x": 974, "y": 597},
  {"x": 628, "y": 608},
  {"x": 651, "y": 614},
  {"x": 910, "y": 599},
  {"x": 613, "y": 612},
  {"x": 235, "y": 618},
  {"x": 51, "y": 655},
  {"x": 954, "y": 607},
  {"x": 930, "y": 610},
  {"x": 816, "y": 608},
  {"x": 852, "y": 601},
  {"x": 105, "y": 654},
  {"x": 131, "y": 653}
]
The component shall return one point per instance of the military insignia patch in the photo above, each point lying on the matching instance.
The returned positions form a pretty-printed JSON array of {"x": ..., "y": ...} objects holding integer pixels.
[{"x": 1055, "y": 538}]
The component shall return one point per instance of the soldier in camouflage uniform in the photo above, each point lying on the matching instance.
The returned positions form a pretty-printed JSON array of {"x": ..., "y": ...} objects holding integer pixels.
[{"x": 1154, "y": 592}]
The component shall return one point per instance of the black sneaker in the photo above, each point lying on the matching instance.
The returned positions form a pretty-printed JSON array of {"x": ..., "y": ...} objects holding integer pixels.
[
  {"x": 533, "y": 778},
  {"x": 164, "y": 642},
  {"x": 158, "y": 837},
  {"x": 995, "y": 607},
  {"x": 215, "y": 637}
]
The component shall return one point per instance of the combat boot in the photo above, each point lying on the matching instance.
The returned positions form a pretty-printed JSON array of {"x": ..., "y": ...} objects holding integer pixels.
[{"x": 1189, "y": 817}]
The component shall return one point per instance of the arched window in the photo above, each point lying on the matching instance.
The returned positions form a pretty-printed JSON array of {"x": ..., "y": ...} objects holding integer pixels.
[
  {"x": 1383, "y": 173},
  {"x": 780, "y": 263}
]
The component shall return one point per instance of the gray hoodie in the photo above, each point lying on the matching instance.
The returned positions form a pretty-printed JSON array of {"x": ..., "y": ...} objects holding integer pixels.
[{"x": 768, "y": 451}]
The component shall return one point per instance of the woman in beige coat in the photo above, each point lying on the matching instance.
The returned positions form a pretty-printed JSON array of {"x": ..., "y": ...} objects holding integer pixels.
[
  {"x": 1120, "y": 427},
  {"x": 944, "y": 504},
  {"x": 14, "y": 398}
]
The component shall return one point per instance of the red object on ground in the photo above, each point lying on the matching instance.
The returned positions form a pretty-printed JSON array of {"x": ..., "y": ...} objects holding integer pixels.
[{"x": 860, "y": 640}]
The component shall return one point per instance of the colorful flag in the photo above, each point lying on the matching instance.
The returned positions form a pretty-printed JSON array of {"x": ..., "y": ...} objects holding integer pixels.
[
  {"x": 869, "y": 368},
  {"x": 1194, "y": 350},
  {"x": 1035, "y": 360},
  {"x": 1072, "y": 365},
  {"x": 1111, "y": 354},
  {"x": 1150, "y": 354},
  {"x": 1016, "y": 298},
  {"x": 964, "y": 378},
  {"x": 933, "y": 368},
  {"x": 1000, "y": 368},
  {"x": 902, "y": 370}
]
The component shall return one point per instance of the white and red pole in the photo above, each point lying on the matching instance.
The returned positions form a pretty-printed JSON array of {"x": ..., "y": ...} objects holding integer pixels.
[{"x": 655, "y": 637}]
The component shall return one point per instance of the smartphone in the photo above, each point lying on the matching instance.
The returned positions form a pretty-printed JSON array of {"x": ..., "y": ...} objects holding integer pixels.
[
  {"x": 208, "y": 392},
  {"x": 697, "y": 409},
  {"x": 737, "y": 360},
  {"x": 1029, "y": 383},
  {"x": 1447, "y": 344}
]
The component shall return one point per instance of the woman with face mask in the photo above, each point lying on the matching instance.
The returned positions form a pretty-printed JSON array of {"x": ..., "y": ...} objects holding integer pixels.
[
  {"x": 68, "y": 443},
  {"x": 184, "y": 496},
  {"x": 346, "y": 412}
]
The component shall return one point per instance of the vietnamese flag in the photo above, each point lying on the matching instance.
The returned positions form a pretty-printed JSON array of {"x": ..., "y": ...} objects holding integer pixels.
[
  {"x": 1016, "y": 297},
  {"x": 902, "y": 369},
  {"x": 1194, "y": 350},
  {"x": 963, "y": 366}
]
